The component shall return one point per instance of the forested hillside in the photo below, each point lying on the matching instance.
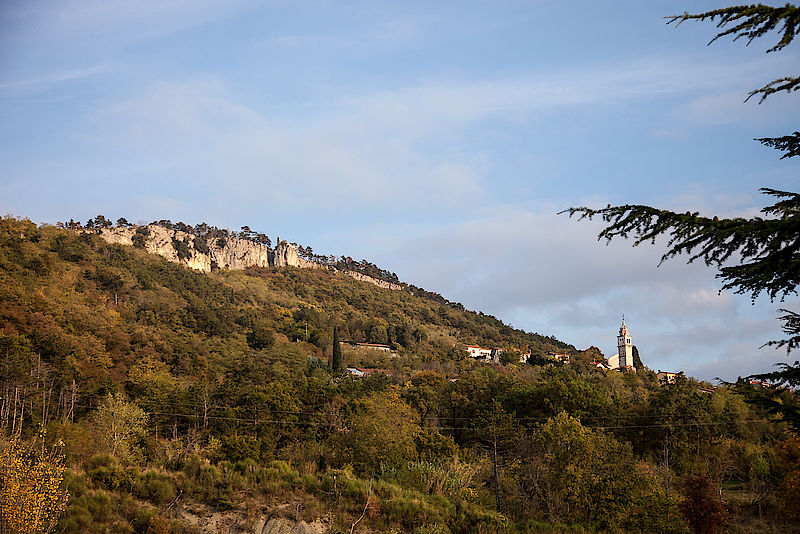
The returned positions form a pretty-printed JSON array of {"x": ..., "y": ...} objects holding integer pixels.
[{"x": 182, "y": 401}]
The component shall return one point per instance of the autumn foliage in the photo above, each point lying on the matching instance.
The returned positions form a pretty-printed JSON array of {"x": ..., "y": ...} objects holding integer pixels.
[
  {"x": 702, "y": 507},
  {"x": 31, "y": 498}
]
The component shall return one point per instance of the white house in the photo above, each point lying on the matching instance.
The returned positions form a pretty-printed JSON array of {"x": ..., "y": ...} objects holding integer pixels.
[{"x": 481, "y": 353}]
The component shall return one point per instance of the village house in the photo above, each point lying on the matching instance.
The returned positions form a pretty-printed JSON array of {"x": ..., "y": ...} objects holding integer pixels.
[
  {"x": 665, "y": 377},
  {"x": 366, "y": 346},
  {"x": 484, "y": 354},
  {"x": 559, "y": 357},
  {"x": 361, "y": 372},
  {"x": 375, "y": 346}
]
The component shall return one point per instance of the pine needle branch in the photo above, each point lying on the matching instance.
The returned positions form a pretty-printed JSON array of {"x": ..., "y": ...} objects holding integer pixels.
[
  {"x": 750, "y": 22},
  {"x": 789, "y": 144},
  {"x": 768, "y": 249},
  {"x": 788, "y": 84},
  {"x": 791, "y": 327}
]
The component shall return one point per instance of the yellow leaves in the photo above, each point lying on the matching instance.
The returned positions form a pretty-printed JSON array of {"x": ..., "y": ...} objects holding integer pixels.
[
  {"x": 30, "y": 496},
  {"x": 117, "y": 424},
  {"x": 469, "y": 494}
]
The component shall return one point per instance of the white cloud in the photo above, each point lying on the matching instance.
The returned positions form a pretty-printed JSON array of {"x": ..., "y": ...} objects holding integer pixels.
[
  {"x": 130, "y": 16},
  {"x": 54, "y": 78},
  {"x": 407, "y": 147},
  {"x": 547, "y": 273},
  {"x": 714, "y": 109}
]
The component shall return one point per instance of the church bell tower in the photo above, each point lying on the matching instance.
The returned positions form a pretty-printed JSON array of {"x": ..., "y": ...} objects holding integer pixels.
[{"x": 624, "y": 346}]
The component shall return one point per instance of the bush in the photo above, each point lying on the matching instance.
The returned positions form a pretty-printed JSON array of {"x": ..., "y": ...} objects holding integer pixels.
[
  {"x": 156, "y": 488},
  {"x": 433, "y": 445},
  {"x": 181, "y": 248},
  {"x": 114, "y": 477},
  {"x": 237, "y": 448},
  {"x": 200, "y": 245},
  {"x": 438, "y": 478},
  {"x": 140, "y": 236},
  {"x": 702, "y": 508}
]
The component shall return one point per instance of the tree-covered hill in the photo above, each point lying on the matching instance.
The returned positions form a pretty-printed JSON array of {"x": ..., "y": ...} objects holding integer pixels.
[
  {"x": 182, "y": 399},
  {"x": 88, "y": 290}
]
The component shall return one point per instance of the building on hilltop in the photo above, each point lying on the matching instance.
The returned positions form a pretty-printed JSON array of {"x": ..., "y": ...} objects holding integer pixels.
[
  {"x": 560, "y": 357},
  {"x": 374, "y": 346},
  {"x": 666, "y": 377},
  {"x": 362, "y": 372},
  {"x": 623, "y": 360},
  {"x": 484, "y": 354}
]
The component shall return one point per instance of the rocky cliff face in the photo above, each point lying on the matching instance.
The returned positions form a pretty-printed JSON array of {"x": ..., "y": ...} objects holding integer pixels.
[
  {"x": 380, "y": 283},
  {"x": 219, "y": 253}
]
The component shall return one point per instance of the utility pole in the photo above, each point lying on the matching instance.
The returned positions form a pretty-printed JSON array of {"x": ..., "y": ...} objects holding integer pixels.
[{"x": 496, "y": 476}]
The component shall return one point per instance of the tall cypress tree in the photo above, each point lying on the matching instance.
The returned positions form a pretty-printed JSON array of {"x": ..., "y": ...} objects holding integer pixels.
[
  {"x": 637, "y": 361},
  {"x": 336, "y": 361}
]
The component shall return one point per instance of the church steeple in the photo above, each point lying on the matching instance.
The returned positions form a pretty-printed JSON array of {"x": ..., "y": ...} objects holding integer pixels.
[{"x": 624, "y": 346}]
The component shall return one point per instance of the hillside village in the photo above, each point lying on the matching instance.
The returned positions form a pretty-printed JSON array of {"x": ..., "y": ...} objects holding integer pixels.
[
  {"x": 180, "y": 243},
  {"x": 231, "y": 250},
  {"x": 433, "y": 419}
]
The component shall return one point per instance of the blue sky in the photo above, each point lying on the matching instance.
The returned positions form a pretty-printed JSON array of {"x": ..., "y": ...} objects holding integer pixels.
[{"x": 437, "y": 139}]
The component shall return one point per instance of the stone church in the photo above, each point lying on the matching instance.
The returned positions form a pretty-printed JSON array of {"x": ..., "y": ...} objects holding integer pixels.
[{"x": 623, "y": 359}]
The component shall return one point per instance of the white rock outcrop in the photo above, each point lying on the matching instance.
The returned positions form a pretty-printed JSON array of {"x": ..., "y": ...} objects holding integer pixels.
[
  {"x": 223, "y": 252},
  {"x": 376, "y": 281}
]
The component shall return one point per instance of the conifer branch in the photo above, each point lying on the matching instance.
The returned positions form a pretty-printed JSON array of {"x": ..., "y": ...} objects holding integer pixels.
[
  {"x": 768, "y": 249},
  {"x": 791, "y": 327},
  {"x": 750, "y": 22},
  {"x": 788, "y": 84},
  {"x": 789, "y": 144}
]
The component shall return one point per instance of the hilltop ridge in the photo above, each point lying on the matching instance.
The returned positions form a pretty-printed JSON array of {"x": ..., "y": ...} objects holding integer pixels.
[{"x": 223, "y": 252}]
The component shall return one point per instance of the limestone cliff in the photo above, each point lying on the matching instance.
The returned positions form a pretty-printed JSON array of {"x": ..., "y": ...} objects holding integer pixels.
[
  {"x": 219, "y": 253},
  {"x": 380, "y": 283}
]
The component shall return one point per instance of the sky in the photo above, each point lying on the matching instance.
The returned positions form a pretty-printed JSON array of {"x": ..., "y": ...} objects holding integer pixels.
[{"x": 439, "y": 140}]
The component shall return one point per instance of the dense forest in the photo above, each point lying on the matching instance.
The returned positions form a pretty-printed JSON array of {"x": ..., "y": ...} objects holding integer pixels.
[{"x": 168, "y": 400}]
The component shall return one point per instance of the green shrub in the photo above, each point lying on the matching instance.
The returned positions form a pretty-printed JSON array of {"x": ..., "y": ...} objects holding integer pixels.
[
  {"x": 181, "y": 248},
  {"x": 155, "y": 487},
  {"x": 140, "y": 236},
  {"x": 141, "y": 521},
  {"x": 433, "y": 446},
  {"x": 192, "y": 465},
  {"x": 443, "y": 477},
  {"x": 225, "y": 503},
  {"x": 200, "y": 245},
  {"x": 237, "y": 448},
  {"x": 101, "y": 506},
  {"x": 99, "y": 460},
  {"x": 246, "y": 466},
  {"x": 114, "y": 477}
]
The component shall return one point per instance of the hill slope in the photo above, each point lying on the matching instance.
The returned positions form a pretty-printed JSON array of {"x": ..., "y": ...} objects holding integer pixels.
[{"x": 182, "y": 399}]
